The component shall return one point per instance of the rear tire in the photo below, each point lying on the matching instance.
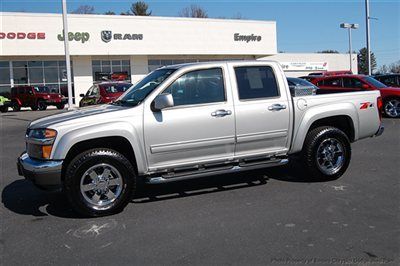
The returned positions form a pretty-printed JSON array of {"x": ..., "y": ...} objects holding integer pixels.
[
  {"x": 326, "y": 153},
  {"x": 16, "y": 107},
  {"x": 60, "y": 106},
  {"x": 4, "y": 109},
  {"x": 34, "y": 107},
  {"x": 41, "y": 105},
  {"x": 99, "y": 182}
]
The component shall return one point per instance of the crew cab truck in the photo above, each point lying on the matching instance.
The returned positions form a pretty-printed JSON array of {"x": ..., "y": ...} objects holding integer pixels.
[{"x": 193, "y": 120}]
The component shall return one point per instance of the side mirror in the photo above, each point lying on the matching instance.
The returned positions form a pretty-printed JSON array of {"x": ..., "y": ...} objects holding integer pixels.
[
  {"x": 82, "y": 95},
  {"x": 365, "y": 86},
  {"x": 162, "y": 101}
]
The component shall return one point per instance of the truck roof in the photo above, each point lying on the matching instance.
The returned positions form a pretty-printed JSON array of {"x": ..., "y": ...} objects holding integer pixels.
[{"x": 177, "y": 66}]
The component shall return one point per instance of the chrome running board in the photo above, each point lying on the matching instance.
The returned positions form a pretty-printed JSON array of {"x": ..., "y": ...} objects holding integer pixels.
[{"x": 160, "y": 179}]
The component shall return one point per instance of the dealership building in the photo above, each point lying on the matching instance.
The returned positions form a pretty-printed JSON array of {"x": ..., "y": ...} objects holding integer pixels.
[{"x": 128, "y": 47}]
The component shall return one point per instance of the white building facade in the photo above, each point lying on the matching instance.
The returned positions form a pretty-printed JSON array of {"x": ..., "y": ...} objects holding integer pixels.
[{"x": 128, "y": 47}]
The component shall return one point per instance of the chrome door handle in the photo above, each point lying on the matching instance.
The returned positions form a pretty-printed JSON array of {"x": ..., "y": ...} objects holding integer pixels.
[
  {"x": 276, "y": 107},
  {"x": 221, "y": 113}
]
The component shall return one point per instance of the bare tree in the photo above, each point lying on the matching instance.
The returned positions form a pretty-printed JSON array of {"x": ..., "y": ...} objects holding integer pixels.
[
  {"x": 140, "y": 8},
  {"x": 84, "y": 9},
  {"x": 392, "y": 68},
  {"x": 109, "y": 13},
  {"x": 193, "y": 11}
]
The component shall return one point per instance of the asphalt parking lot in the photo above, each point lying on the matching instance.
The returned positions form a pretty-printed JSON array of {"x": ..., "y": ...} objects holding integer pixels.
[{"x": 274, "y": 216}]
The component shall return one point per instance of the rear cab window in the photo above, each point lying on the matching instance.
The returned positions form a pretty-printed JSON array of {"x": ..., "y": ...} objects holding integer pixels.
[{"x": 256, "y": 82}]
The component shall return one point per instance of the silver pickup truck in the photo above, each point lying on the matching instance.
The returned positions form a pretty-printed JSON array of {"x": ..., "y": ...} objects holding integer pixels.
[{"x": 193, "y": 120}]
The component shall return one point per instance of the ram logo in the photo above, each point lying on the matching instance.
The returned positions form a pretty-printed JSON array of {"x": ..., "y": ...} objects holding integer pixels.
[{"x": 106, "y": 35}]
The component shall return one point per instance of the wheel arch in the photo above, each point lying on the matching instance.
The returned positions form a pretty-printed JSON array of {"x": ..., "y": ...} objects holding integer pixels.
[
  {"x": 341, "y": 116},
  {"x": 117, "y": 136}
]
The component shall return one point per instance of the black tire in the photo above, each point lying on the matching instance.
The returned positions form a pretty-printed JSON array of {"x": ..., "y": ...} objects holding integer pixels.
[
  {"x": 391, "y": 107},
  {"x": 315, "y": 140},
  {"x": 34, "y": 107},
  {"x": 16, "y": 107},
  {"x": 76, "y": 170},
  {"x": 41, "y": 105},
  {"x": 60, "y": 106},
  {"x": 4, "y": 109}
]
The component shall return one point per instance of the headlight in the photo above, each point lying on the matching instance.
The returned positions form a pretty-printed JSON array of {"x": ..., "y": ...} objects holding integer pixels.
[{"x": 39, "y": 142}]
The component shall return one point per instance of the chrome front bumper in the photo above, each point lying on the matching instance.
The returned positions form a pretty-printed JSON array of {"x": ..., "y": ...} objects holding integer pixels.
[
  {"x": 380, "y": 130},
  {"x": 44, "y": 174}
]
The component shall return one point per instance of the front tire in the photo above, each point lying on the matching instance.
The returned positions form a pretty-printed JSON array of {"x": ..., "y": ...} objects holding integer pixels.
[
  {"x": 392, "y": 108},
  {"x": 326, "y": 153},
  {"x": 60, "y": 106},
  {"x": 41, "y": 105},
  {"x": 99, "y": 182}
]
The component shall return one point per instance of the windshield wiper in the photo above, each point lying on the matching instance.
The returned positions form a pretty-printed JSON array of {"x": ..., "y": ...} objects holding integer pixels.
[{"x": 123, "y": 102}]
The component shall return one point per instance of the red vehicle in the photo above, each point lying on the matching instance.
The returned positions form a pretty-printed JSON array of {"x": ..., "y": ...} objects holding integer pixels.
[
  {"x": 104, "y": 92},
  {"x": 348, "y": 83},
  {"x": 35, "y": 97}
]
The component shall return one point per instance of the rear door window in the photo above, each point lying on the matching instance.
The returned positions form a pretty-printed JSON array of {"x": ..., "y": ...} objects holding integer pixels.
[
  {"x": 333, "y": 82},
  {"x": 256, "y": 82},
  {"x": 352, "y": 83}
]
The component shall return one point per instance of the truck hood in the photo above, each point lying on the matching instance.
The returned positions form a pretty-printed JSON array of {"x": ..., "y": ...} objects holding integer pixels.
[{"x": 73, "y": 116}]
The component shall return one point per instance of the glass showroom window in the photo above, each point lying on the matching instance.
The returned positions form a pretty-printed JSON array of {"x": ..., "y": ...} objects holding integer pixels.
[
  {"x": 52, "y": 74},
  {"x": 5, "y": 85},
  {"x": 111, "y": 70}
]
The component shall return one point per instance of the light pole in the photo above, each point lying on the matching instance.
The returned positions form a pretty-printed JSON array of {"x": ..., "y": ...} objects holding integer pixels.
[
  {"x": 350, "y": 27},
  {"x": 67, "y": 57},
  {"x": 367, "y": 33}
]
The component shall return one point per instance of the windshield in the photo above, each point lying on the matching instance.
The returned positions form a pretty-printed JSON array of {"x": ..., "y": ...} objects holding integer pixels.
[
  {"x": 374, "y": 82},
  {"x": 41, "y": 89},
  {"x": 137, "y": 93},
  {"x": 116, "y": 88}
]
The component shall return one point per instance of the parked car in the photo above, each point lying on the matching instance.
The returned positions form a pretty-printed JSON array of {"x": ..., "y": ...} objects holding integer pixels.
[
  {"x": 35, "y": 97},
  {"x": 4, "y": 104},
  {"x": 391, "y": 80},
  {"x": 301, "y": 87},
  {"x": 194, "y": 120},
  {"x": 331, "y": 73},
  {"x": 104, "y": 92},
  {"x": 349, "y": 83}
]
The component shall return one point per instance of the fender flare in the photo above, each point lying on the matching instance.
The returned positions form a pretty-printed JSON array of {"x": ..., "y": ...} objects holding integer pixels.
[
  {"x": 320, "y": 112},
  {"x": 64, "y": 143}
]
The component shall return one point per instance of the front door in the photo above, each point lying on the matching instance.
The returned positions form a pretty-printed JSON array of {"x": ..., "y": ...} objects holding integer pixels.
[
  {"x": 200, "y": 128},
  {"x": 262, "y": 111}
]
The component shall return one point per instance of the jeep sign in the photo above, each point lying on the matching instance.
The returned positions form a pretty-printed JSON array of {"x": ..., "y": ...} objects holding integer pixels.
[{"x": 75, "y": 36}]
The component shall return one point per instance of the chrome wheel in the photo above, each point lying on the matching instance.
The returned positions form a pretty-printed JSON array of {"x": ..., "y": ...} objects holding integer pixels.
[
  {"x": 392, "y": 108},
  {"x": 330, "y": 156},
  {"x": 101, "y": 185}
]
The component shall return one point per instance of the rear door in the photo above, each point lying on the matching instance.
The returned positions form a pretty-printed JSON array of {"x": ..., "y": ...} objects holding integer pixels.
[{"x": 262, "y": 111}]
